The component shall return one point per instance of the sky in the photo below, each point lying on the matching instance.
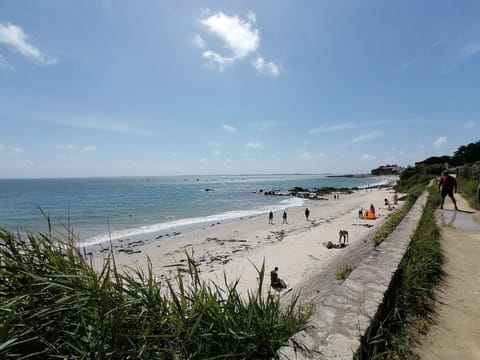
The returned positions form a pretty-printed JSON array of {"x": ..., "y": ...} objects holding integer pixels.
[{"x": 133, "y": 88}]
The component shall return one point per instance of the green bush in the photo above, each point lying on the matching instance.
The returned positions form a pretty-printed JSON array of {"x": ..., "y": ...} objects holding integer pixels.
[
  {"x": 419, "y": 175},
  {"x": 54, "y": 305},
  {"x": 468, "y": 188},
  {"x": 343, "y": 272}
]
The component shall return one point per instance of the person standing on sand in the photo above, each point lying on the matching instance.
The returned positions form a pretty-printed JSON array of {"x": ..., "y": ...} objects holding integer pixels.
[
  {"x": 307, "y": 213},
  {"x": 447, "y": 185},
  {"x": 284, "y": 217},
  {"x": 270, "y": 217}
]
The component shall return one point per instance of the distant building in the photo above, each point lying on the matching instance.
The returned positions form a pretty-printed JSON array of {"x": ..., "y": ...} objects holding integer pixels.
[{"x": 387, "y": 170}]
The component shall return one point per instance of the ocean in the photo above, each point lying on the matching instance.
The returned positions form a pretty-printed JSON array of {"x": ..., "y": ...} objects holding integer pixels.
[{"x": 99, "y": 209}]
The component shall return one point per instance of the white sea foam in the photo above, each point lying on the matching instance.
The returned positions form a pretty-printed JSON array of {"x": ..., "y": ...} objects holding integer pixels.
[
  {"x": 380, "y": 182},
  {"x": 229, "y": 215}
]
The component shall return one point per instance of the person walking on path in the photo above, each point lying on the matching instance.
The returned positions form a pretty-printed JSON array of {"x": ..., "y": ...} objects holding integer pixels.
[
  {"x": 307, "y": 213},
  {"x": 447, "y": 185},
  {"x": 284, "y": 217}
]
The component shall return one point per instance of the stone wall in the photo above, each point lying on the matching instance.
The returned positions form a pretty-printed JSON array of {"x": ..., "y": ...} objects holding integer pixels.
[{"x": 344, "y": 316}]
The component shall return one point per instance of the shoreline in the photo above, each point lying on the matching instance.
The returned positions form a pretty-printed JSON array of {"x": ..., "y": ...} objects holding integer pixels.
[
  {"x": 294, "y": 197},
  {"x": 233, "y": 248}
]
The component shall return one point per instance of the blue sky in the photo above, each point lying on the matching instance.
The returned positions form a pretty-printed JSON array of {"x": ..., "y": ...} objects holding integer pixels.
[{"x": 107, "y": 88}]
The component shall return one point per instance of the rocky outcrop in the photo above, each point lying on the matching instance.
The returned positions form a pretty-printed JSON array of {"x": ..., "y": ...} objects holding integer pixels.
[{"x": 314, "y": 193}]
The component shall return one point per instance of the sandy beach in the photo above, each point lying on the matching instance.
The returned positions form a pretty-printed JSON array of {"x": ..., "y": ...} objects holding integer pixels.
[{"x": 298, "y": 248}]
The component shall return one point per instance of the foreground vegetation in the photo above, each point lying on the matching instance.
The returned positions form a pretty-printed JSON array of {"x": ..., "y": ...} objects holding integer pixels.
[
  {"x": 54, "y": 305},
  {"x": 344, "y": 271},
  {"x": 409, "y": 302},
  {"x": 468, "y": 188}
]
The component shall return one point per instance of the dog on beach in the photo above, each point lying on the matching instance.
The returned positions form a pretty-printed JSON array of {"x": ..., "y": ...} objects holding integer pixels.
[{"x": 343, "y": 236}]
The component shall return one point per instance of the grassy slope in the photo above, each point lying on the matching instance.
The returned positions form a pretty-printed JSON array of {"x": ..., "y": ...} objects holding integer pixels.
[
  {"x": 52, "y": 304},
  {"x": 409, "y": 303}
]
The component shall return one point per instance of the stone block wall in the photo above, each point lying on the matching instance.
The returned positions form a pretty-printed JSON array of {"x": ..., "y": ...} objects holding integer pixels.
[{"x": 344, "y": 316}]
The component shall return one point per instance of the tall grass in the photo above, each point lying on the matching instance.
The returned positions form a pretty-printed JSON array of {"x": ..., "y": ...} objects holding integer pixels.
[
  {"x": 54, "y": 305},
  {"x": 468, "y": 188},
  {"x": 409, "y": 303}
]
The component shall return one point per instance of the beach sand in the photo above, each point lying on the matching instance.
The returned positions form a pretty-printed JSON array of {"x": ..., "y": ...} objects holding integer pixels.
[{"x": 298, "y": 248}]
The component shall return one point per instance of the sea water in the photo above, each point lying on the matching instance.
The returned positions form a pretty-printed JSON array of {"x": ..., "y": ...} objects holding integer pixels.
[{"x": 99, "y": 209}]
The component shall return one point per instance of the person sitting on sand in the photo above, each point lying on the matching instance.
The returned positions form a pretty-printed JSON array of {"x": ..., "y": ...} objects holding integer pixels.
[
  {"x": 372, "y": 209},
  {"x": 307, "y": 213},
  {"x": 386, "y": 201},
  {"x": 275, "y": 281}
]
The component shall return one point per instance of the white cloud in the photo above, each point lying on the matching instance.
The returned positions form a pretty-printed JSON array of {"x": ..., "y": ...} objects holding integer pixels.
[
  {"x": 215, "y": 144},
  {"x": 17, "y": 150},
  {"x": 266, "y": 67},
  {"x": 14, "y": 37},
  {"x": 418, "y": 58},
  {"x": 253, "y": 145},
  {"x": 461, "y": 55},
  {"x": 99, "y": 123},
  {"x": 11, "y": 150},
  {"x": 198, "y": 41},
  {"x": 251, "y": 16},
  {"x": 368, "y": 157},
  {"x": 228, "y": 160},
  {"x": 440, "y": 142},
  {"x": 69, "y": 147},
  {"x": 366, "y": 137},
  {"x": 218, "y": 60},
  {"x": 306, "y": 155},
  {"x": 337, "y": 127},
  {"x": 67, "y": 157},
  {"x": 238, "y": 35},
  {"x": 267, "y": 125},
  {"x": 469, "y": 124},
  {"x": 216, "y": 152},
  {"x": 229, "y": 128},
  {"x": 203, "y": 160},
  {"x": 239, "y": 38}
]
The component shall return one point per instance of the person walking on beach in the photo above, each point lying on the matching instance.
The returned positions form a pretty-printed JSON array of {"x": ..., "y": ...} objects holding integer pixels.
[
  {"x": 447, "y": 185},
  {"x": 284, "y": 217},
  {"x": 270, "y": 217},
  {"x": 307, "y": 213}
]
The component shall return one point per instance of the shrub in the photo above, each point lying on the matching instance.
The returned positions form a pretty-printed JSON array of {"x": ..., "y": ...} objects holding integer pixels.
[
  {"x": 343, "y": 272},
  {"x": 54, "y": 305}
]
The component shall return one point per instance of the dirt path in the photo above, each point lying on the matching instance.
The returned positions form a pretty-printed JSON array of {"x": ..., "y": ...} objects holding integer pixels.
[{"x": 456, "y": 333}]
